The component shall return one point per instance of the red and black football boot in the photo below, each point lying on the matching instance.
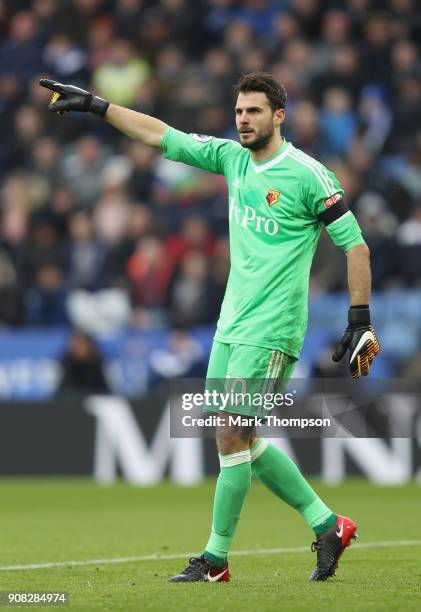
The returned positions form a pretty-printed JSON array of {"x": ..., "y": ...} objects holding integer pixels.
[
  {"x": 331, "y": 545},
  {"x": 200, "y": 569}
]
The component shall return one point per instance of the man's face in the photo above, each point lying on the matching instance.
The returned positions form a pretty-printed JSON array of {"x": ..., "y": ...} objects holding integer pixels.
[{"x": 256, "y": 121}]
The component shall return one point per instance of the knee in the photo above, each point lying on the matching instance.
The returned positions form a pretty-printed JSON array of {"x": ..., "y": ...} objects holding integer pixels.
[
  {"x": 233, "y": 439},
  {"x": 228, "y": 444}
]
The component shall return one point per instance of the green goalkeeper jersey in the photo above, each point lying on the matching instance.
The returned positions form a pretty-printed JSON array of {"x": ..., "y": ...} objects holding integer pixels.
[{"x": 274, "y": 226}]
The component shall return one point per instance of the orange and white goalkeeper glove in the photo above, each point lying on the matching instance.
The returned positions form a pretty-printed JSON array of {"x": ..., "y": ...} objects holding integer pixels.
[{"x": 361, "y": 340}]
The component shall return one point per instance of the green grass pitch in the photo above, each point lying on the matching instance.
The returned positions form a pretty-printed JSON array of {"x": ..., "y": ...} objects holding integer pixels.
[{"x": 52, "y": 521}]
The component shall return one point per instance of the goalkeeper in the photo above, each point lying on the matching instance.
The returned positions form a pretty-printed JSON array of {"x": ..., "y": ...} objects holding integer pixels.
[{"x": 279, "y": 200}]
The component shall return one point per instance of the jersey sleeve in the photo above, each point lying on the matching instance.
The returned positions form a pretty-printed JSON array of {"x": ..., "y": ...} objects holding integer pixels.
[
  {"x": 322, "y": 189},
  {"x": 205, "y": 152},
  {"x": 345, "y": 231},
  {"x": 323, "y": 196}
]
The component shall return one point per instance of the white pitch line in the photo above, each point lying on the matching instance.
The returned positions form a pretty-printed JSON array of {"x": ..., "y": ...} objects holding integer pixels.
[{"x": 236, "y": 553}]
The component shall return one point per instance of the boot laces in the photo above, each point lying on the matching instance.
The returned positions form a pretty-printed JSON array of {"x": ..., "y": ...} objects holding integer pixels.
[{"x": 196, "y": 564}]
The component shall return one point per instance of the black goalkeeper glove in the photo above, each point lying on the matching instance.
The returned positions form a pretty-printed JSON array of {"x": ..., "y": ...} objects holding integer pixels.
[
  {"x": 70, "y": 98},
  {"x": 361, "y": 340}
]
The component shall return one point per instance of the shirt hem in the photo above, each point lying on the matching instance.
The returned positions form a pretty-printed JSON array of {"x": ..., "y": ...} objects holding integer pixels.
[{"x": 267, "y": 345}]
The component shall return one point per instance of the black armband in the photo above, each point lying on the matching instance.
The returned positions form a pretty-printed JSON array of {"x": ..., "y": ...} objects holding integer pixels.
[{"x": 334, "y": 212}]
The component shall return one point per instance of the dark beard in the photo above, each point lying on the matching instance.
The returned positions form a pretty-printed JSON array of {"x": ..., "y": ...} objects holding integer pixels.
[{"x": 259, "y": 143}]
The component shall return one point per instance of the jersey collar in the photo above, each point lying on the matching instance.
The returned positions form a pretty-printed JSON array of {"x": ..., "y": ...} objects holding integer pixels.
[{"x": 282, "y": 152}]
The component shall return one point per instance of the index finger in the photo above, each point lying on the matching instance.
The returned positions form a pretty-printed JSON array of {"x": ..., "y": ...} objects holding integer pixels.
[{"x": 53, "y": 85}]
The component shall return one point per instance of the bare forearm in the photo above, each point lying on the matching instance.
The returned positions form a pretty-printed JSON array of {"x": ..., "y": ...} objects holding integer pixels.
[
  {"x": 359, "y": 274},
  {"x": 136, "y": 125}
]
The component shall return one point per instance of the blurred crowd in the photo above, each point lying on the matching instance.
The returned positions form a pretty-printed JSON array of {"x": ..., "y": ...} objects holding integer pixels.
[{"x": 102, "y": 232}]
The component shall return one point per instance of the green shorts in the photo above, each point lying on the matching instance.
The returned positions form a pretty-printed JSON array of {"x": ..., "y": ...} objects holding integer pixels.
[{"x": 251, "y": 378}]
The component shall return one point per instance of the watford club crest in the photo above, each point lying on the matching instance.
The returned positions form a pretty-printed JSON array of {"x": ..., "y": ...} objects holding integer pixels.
[{"x": 272, "y": 196}]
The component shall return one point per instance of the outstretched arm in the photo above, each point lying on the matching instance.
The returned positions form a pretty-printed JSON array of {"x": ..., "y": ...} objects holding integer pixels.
[
  {"x": 206, "y": 152},
  {"x": 136, "y": 125}
]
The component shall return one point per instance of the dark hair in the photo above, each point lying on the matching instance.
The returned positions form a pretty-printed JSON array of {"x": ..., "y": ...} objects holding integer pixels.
[{"x": 264, "y": 82}]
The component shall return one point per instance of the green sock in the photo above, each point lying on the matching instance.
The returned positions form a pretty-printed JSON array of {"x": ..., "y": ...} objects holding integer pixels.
[
  {"x": 327, "y": 524},
  {"x": 232, "y": 486},
  {"x": 280, "y": 474}
]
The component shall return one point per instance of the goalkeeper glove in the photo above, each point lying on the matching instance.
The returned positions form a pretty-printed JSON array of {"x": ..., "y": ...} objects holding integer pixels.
[
  {"x": 70, "y": 98},
  {"x": 361, "y": 340}
]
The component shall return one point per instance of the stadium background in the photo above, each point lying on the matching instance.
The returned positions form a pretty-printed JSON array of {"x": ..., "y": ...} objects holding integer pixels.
[
  {"x": 113, "y": 264},
  {"x": 113, "y": 261}
]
